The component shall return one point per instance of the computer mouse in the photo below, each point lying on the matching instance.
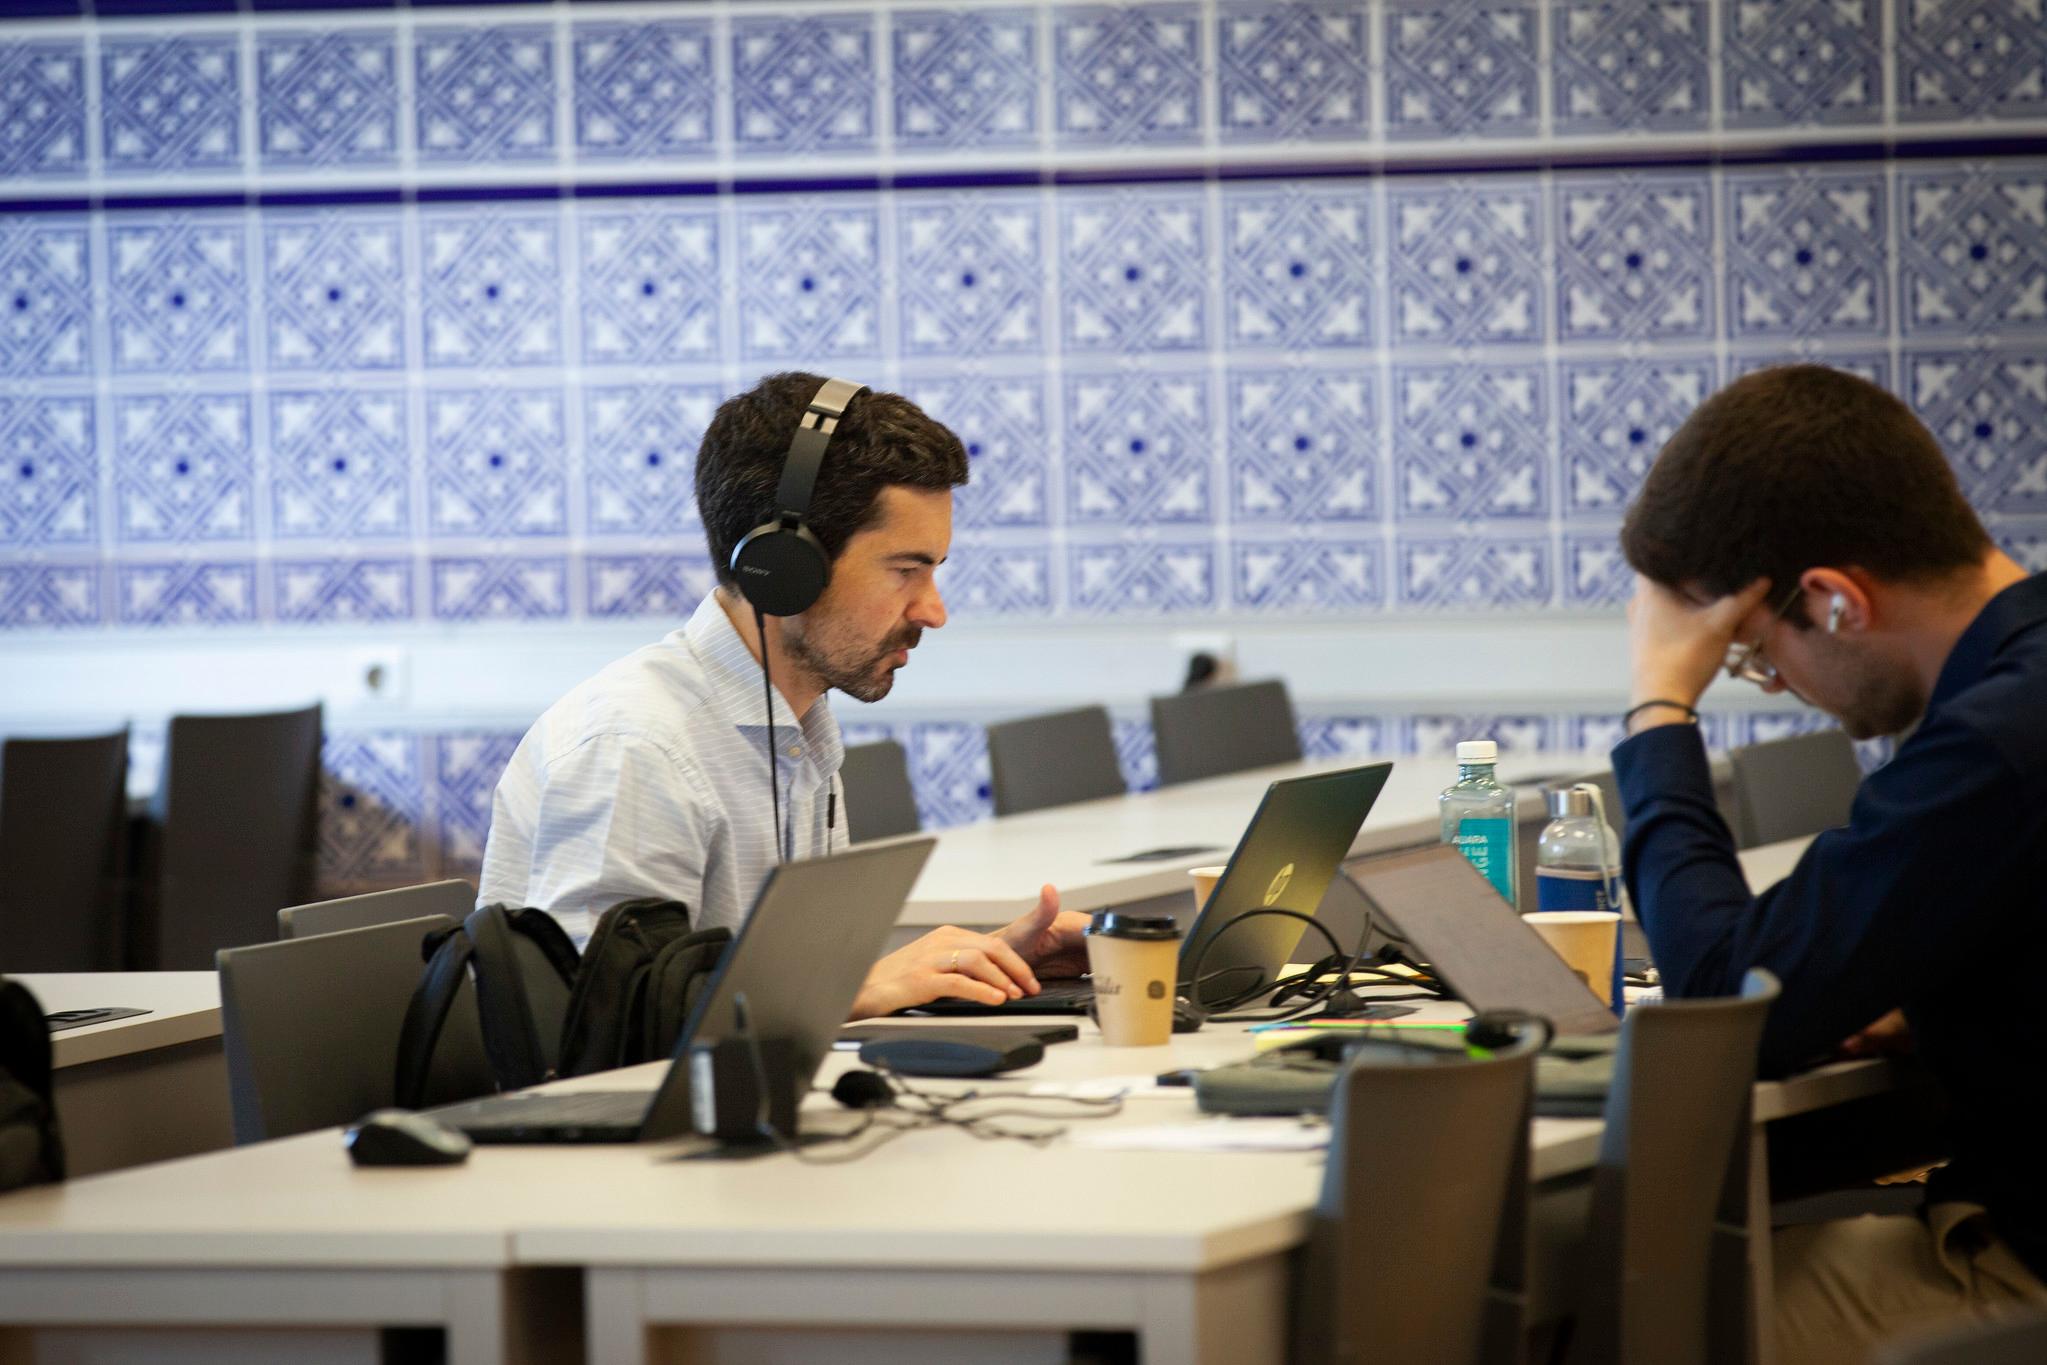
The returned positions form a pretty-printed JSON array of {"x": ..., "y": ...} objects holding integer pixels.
[
  {"x": 399, "y": 1137},
  {"x": 1187, "y": 1016}
]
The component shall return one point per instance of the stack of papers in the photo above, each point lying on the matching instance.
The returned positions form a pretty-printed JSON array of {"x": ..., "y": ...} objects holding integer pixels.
[{"x": 1210, "y": 1135}]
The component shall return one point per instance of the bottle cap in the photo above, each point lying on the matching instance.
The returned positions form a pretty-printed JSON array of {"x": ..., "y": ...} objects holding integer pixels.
[
  {"x": 1567, "y": 803},
  {"x": 1477, "y": 751}
]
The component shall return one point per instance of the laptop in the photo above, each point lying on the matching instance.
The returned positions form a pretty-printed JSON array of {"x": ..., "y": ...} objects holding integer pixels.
[
  {"x": 815, "y": 930},
  {"x": 1289, "y": 852},
  {"x": 1452, "y": 918}
]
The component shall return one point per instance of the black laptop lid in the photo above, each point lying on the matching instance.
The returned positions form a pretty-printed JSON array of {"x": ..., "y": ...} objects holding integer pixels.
[
  {"x": 1451, "y": 917},
  {"x": 815, "y": 930},
  {"x": 1296, "y": 840}
]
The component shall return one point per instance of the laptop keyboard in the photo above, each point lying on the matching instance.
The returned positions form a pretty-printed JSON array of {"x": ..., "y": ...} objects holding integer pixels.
[{"x": 589, "y": 1108}]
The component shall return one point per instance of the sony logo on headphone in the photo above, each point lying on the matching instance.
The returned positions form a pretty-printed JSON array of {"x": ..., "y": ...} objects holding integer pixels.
[{"x": 754, "y": 569}]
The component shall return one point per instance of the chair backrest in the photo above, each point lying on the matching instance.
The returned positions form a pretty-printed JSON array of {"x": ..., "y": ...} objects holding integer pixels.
[
  {"x": 1792, "y": 787},
  {"x": 1053, "y": 760},
  {"x": 2004, "y": 1341},
  {"x": 1661, "y": 1285},
  {"x": 454, "y": 898},
  {"x": 238, "y": 808},
  {"x": 63, "y": 853},
  {"x": 1435, "y": 1141},
  {"x": 310, "y": 1027},
  {"x": 879, "y": 802},
  {"x": 1221, "y": 730}
]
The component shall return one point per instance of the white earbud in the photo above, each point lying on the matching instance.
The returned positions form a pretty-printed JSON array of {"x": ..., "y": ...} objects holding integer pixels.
[{"x": 1835, "y": 609}]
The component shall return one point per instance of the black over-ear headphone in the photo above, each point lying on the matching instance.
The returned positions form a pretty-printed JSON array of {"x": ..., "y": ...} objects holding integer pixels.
[{"x": 779, "y": 565}]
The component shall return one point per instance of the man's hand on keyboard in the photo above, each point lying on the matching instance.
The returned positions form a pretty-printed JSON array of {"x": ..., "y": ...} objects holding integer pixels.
[{"x": 945, "y": 964}]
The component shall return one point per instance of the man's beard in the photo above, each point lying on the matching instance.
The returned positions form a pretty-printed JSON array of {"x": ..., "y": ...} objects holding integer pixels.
[
  {"x": 861, "y": 674},
  {"x": 1874, "y": 700}
]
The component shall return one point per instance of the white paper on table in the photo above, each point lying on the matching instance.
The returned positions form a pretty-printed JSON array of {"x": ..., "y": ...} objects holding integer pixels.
[
  {"x": 1108, "y": 1087},
  {"x": 1211, "y": 1135}
]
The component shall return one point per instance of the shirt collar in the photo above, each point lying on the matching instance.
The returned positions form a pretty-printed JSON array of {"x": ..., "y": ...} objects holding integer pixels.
[
  {"x": 2013, "y": 611},
  {"x": 736, "y": 686}
]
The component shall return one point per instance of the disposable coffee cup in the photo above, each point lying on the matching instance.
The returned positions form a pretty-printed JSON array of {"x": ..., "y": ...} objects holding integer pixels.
[
  {"x": 1585, "y": 940},
  {"x": 1205, "y": 879},
  {"x": 1135, "y": 960}
]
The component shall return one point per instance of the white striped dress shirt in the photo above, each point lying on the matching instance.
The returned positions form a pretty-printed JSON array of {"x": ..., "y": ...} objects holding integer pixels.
[{"x": 651, "y": 779}]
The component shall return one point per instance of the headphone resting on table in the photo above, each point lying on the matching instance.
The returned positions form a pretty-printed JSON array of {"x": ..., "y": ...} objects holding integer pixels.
[{"x": 779, "y": 565}]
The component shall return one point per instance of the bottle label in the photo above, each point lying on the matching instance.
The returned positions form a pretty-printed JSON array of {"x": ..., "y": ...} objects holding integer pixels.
[
  {"x": 1572, "y": 888},
  {"x": 1488, "y": 845}
]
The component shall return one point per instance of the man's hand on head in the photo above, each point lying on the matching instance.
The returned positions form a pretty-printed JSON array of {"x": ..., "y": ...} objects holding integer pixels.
[
  {"x": 945, "y": 964},
  {"x": 1052, "y": 941},
  {"x": 1677, "y": 645}
]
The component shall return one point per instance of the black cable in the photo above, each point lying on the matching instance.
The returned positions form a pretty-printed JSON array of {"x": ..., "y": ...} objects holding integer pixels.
[
  {"x": 760, "y": 625},
  {"x": 1221, "y": 1012}
]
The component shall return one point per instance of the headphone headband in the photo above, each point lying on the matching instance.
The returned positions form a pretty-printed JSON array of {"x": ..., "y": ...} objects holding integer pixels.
[{"x": 806, "y": 449}]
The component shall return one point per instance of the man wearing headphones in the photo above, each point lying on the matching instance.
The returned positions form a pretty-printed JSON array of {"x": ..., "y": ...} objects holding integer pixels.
[
  {"x": 828, "y": 509},
  {"x": 1803, "y": 531}
]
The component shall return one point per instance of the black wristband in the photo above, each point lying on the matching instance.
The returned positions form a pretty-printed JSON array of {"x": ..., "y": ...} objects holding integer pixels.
[{"x": 1633, "y": 711}]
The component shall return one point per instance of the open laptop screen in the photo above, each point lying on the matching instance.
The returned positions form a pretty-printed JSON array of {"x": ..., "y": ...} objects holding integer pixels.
[{"x": 1452, "y": 919}]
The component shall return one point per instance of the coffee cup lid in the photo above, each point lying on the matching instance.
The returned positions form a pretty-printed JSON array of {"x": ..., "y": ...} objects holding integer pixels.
[{"x": 1113, "y": 925}]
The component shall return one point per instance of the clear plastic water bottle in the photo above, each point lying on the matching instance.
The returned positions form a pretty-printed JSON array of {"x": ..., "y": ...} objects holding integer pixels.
[
  {"x": 1578, "y": 863},
  {"x": 1478, "y": 816}
]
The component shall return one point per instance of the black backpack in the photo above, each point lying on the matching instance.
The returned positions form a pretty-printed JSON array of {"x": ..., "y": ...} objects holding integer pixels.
[
  {"x": 31, "y": 1150},
  {"x": 624, "y": 1000}
]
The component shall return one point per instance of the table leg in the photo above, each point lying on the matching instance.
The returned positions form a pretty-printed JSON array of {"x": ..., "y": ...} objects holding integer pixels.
[
  {"x": 1232, "y": 1316},
  {"x": 615, "y": 1317}
]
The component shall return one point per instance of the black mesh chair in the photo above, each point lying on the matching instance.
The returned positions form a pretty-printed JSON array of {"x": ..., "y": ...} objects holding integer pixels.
[
  {"x": 1667, "y": 1258},
  {"x": 879, "y": 802},
  {"x": 63, "y": 853},
  {"x": 311, "y": 1025},
  {"x": 1220, "y": 730},
  {"x": 233, "y": 837},
  {"x": 454, "y": 898},
  {"x": 1789, "y": 788},
  {"x": 1441, "y": 1140},
  {"x": 1053, "y": 760}
]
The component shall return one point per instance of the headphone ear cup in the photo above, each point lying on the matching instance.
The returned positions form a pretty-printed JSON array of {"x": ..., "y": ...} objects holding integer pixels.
[{"x": 780, "y": 569}]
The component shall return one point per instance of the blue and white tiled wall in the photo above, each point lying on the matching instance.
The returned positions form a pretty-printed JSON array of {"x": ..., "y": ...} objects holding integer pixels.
[{"x": 410, "y": 317}]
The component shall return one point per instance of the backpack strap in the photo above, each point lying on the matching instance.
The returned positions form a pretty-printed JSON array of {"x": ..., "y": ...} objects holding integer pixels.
[
  {"x": 510, "y": 1040},
  {"x": 552, "y": 940},
  {"x": 447, "y": 952}
]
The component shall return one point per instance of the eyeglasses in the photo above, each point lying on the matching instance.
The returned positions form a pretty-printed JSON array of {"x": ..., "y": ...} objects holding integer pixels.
[{"x": 1746, "y": 661}]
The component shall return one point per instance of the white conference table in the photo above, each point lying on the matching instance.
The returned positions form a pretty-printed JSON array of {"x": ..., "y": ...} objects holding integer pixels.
[
  {"x": 989, "y": 872},
  {"x": 148, "y": 1087}
]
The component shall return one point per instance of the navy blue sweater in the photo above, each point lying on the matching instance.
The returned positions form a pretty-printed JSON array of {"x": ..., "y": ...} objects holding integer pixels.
[{"x": 1933, "y": 898}]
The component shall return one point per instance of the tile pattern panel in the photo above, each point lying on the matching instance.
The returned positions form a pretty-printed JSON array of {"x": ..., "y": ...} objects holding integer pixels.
[{"x": 340, "y": 353}]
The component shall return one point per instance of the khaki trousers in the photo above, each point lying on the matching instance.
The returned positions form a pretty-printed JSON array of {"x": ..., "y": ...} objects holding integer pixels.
[{"x": 1841, "y": 1287}]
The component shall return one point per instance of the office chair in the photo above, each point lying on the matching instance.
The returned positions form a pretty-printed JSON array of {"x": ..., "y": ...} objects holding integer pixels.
[
  {"x": 1439, "y": 1142},
  {"x": 234, "y": 834},
  {"x": 1792, "y": 787},
  {"x": 1667, "y": 1275},
  {"x": 63, "y": 853},
  {"x": 1222, "y": 730},
  {"x": 879, "y": 801},
  {"x": 2017, "y": 1340},
  {"x": 1053, "y": 760},
  {"x": 310, "y": 1027},
  {"x": 454, "y": 898}
]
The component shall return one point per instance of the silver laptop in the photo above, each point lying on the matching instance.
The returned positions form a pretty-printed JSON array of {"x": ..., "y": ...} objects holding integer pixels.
[{"x": 816, "y": 928}]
